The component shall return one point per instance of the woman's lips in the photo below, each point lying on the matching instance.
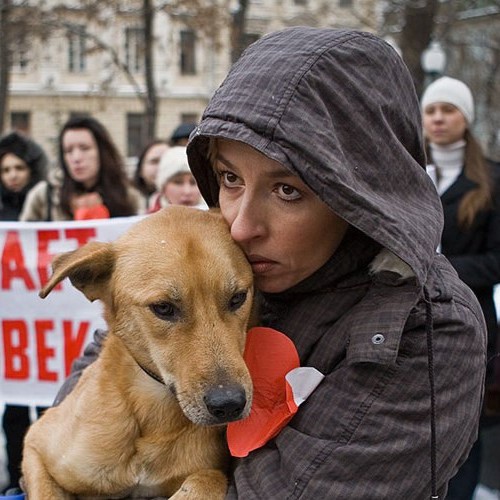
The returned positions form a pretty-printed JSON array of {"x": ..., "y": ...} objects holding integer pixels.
[
  {"x": 261, "y": 265},
  {"x": 79, "y": 171},
  {"x": 439, "y": 131}
]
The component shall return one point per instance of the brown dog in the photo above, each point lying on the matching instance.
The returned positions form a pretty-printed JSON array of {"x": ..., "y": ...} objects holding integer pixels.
[{"x": 145, "y": 418}]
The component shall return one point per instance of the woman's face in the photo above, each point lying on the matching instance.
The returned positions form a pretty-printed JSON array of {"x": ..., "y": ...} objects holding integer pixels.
[
  {"x": 285, "y": 230},
  {"x": 443, "y": 123},
  {"x": 151, "y": 162},
  {"x": 182, "y": 189},
  {"x": 14, "y": 173},
  {"x": 81, "y": 156}
]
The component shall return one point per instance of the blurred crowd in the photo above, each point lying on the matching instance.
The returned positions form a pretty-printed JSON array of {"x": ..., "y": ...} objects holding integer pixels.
[{"x": 89, "y": 180}]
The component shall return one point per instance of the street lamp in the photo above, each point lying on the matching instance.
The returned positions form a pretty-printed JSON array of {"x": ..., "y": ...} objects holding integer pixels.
[{"x": 433, "y": 60}]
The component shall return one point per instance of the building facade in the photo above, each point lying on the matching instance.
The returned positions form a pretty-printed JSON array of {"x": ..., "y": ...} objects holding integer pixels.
[{"x": 95, "y": 64}]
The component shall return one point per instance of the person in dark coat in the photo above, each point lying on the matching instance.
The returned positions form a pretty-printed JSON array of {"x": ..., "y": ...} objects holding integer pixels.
[
  {"x": 23, "y": 163},
  {"x": 469, "y": 187},
  {"x": 312, "y": 147}
]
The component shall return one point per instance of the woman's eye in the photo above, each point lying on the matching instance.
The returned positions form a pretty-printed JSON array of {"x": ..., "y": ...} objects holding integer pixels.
[
  {"x": 229, "y": 179},
  {"x": 288, "y": 193}
]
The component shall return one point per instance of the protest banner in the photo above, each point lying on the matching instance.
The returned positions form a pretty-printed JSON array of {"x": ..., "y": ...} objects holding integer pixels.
[{"x": 41, "y": 338}]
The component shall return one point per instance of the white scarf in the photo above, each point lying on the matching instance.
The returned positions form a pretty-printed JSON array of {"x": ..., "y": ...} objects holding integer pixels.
[{"x": 449, "y": 160}]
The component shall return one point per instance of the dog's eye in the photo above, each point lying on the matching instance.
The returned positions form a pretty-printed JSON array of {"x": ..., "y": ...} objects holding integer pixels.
[
  {"x": 165, "y": 311},
  {"x": 237, "y": 300}
]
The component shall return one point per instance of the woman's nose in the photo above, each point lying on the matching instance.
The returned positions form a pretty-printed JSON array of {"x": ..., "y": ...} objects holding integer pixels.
[
  {"x": 75, "y": 155},
  {"x": 437, "y": 116},
  {"x": 248, "y": 222},
  {"x": 190, "y": 190}
]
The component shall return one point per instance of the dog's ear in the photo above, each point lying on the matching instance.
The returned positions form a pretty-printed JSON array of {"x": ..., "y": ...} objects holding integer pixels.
[{"x": 89, "y": 268}]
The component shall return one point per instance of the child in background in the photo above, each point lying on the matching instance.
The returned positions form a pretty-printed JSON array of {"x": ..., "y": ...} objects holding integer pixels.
[{"x": 175, "y": 182}]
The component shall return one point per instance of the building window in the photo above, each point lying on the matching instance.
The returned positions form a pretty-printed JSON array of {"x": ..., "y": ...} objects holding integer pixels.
[
  {"x": 77, "y": 50},
  {"x": 300, "y": 2},
  {"x": 188, "y": 52},
  {"x": 134, "y": 49},
  {"x": 20, "y": 121},
  {"x": 136, "y": 133},
  {"x": 345, "y": 3},
  {"x": 19, "y": 56}
]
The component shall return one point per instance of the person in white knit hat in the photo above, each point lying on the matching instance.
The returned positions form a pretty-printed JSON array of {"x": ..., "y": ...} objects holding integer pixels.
[
  {"x": 174, "y": 182},
  {"x": 469, "y": 189}
]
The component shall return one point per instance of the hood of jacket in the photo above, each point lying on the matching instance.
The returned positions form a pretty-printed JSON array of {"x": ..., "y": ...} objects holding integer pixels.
[{"x": 338, "y": 108}]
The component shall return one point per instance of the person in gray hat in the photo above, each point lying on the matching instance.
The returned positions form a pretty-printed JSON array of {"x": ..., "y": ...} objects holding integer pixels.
[{"x": 469, "y": 187}]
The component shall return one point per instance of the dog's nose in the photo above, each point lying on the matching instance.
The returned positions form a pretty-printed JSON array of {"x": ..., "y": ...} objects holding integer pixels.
[{"x": 226, "y": 402}]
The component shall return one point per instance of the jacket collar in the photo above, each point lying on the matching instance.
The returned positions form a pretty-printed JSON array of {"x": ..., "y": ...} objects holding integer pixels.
[{"x": 458, "y": 188}]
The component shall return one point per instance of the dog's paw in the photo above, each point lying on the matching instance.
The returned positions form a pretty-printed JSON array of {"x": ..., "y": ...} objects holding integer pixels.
[{"x": 202, "y": 485}]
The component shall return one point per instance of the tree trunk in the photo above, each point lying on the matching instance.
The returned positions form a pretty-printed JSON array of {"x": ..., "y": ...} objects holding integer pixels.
[
  {"x": 416, "y": 35},
  {"x": 151, "y": 97},
  {"x": 4, "y": 62},
  {"x": 491, "y": 97}
]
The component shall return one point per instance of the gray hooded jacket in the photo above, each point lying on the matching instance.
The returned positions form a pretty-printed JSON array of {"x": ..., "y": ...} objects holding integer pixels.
[{"x": 338, "y": 108}]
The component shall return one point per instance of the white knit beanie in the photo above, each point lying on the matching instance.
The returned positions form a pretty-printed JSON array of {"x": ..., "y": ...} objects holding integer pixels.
[
  {"x": 173, "y": 161},
  {"x": 451, "y": 91}
]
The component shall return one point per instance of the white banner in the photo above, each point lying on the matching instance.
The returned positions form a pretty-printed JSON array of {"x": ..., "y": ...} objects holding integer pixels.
[{"x": 41, "y": 338}]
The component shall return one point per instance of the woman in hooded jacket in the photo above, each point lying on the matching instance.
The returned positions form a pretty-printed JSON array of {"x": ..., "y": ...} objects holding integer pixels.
[{"x": 312, "y": 149}]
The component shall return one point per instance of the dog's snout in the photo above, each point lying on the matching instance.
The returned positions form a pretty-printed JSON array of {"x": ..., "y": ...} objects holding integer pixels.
[{"x": 226, "y": 402}]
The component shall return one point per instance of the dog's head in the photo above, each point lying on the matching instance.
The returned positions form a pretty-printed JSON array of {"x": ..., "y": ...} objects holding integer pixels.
[{"x": 178, "y": 291}]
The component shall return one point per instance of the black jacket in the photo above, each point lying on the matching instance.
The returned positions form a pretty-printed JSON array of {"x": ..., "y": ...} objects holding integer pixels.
[{"x": 475, "y": 252}]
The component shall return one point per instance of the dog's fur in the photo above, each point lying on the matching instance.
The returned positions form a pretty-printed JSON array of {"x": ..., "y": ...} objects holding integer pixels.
[{"x": 177, "y": 295}]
